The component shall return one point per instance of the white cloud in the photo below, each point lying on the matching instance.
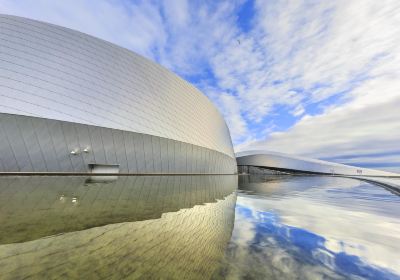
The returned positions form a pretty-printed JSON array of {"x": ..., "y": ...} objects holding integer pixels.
[
  {"x": 137, "y": 26},
  {"x": 298, "y": 111},
  {"x": 177, "y": 12},
  {"x": 343, "y": 130},
  {"x": 342, "y": 234},
  {"x": 231, "y": 109},
  {"x": 351, "y": 47},
  {"x": 371, "y": 159}
]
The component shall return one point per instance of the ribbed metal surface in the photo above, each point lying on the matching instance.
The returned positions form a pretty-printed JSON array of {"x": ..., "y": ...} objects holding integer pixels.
[
  {"x": 56, "y": 73},
  {"x": 283, "y": 161},
  {"x": 29, "y": 144}
]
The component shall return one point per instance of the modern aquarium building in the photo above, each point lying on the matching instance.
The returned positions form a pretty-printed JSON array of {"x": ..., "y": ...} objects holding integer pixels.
[
  {"x": 70, "y": 102},
  {"x": 266, "y": 162}
]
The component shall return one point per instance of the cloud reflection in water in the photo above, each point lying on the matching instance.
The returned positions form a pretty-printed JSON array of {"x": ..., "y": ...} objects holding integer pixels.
[{"x": 285, "y": 236}]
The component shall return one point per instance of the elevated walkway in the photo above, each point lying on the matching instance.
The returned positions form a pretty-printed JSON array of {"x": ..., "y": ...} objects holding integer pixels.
[{"x": 391, "y": 183}]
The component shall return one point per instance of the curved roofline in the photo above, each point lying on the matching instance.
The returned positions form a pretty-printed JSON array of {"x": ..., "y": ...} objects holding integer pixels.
[
  {"x": 192, "y": 101},
  {"x": 123, "y": 48},
  {"x": 318, "y": 161}
]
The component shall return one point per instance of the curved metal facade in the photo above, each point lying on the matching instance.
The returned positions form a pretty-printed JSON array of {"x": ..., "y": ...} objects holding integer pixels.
[
  {"x": 54, "y": 73},
  {"x": 284, "y": 162}
]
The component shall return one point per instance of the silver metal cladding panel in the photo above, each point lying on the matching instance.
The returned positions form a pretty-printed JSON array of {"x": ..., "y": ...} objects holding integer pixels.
[
  {"x": 46, "y": 144},
  {"x": 32, "y": 145},
  {"x": 60, "y": 147},
  {"x": 164, "y": 155},
  {"x": 108, "y": 142},
  {"x": 171, "y": 155},
  {"x": 131, "y": 153},
  {"x": 139, "y": 153},
  {"x": 119, "y": 145},
  {"x": 85, "y": 143},
  {"x": 29, "y": 144},
  {"x": 71, "y": 139},
  {"x": 56, "y": 73},
  {"x": 278, "y": 160},
  {"x": 148, "y": 153},
  {"x": 97, "y": 144},
  {"x": 6, "y": 151}
]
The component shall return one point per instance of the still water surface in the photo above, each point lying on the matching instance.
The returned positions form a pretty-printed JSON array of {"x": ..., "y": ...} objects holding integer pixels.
[
  {"x": 197, "y": 227},
  {"x": 313, "y": 228}
]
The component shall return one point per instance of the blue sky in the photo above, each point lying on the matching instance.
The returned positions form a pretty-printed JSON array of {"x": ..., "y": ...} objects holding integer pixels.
[
  {"x": 313, "y": 78},
  {"x": 298, "y": 245},
  {"x": 275, "y": 230}
]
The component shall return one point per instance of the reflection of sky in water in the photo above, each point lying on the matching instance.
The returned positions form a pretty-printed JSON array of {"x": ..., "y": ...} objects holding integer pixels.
[{"x": 332, "y": 229}]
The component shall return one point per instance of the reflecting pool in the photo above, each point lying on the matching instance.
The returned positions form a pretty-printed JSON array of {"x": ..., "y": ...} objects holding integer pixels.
[
  {"x": 197, "y": 227},
  {"x": 174, "y": 227},
  {"x": 313, "y": 228}
]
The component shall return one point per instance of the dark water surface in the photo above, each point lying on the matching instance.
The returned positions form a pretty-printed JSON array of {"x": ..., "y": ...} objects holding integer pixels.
[{"x": 197, "y": 227}]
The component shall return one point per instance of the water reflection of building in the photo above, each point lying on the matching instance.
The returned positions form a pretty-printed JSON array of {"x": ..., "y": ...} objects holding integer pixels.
[
  {"x": 131, "y": 228},
  {"x": 34, "y": 207},
  {"x": 267, "y": 185}
]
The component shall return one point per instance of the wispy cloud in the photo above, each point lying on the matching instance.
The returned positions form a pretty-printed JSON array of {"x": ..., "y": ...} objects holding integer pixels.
[{"x": 317, "y": 78}]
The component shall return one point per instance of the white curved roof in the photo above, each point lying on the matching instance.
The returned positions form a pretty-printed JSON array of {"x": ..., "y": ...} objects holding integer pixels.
[
  {"x": 53, "y": 72},
  {"x": 264, "y": 158}
]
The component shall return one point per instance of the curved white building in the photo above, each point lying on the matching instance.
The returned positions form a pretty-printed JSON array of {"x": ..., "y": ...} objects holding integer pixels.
[
  {"x": 259, "y": 161},
  {"x": 70, "y": 101}
]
